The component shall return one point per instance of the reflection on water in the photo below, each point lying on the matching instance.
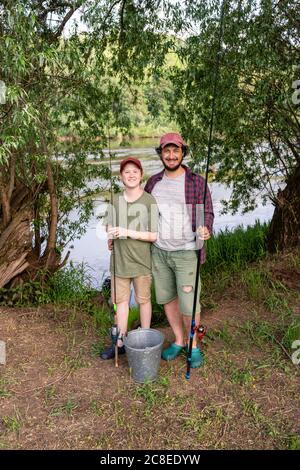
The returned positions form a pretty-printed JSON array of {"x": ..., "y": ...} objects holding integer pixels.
[{"x": 92, "y": 247}]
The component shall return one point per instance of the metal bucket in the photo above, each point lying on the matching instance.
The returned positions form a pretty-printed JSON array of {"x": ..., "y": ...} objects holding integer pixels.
[{"x": 143, "y": 349}]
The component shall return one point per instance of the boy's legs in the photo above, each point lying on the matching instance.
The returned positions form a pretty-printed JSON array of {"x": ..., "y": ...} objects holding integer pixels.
[
  {"x": 122, "y": 319},
  {"x": 122, "y": 303},
  {"x": 142, "y": 288},
  {"x": 145, "y": 314}
]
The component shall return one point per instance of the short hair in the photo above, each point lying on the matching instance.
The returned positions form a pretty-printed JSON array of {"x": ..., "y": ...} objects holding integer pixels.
[{"x": 185, "y": 149}]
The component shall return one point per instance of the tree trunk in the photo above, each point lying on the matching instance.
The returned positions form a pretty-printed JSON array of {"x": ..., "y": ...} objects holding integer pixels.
[
  {"x": 15, "y": 245},
  {"x": 284, "y": 230},
  {"x": 19, "y": 258}
]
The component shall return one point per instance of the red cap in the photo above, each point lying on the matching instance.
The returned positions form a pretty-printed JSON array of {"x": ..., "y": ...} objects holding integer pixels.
[
  {"x": 172, "y": 138},
  {"x": 133, "y": 160}
]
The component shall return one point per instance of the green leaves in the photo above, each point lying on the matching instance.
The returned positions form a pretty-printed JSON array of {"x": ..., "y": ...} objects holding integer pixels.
[{"x": 255, "y": 131}]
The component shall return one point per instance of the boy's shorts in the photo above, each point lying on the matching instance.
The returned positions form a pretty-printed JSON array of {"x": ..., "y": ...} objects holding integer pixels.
[
  {"x": 172, "y": 272},
  {"x": 142, "y": 288}
]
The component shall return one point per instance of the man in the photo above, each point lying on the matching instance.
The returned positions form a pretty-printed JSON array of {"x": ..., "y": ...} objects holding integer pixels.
[{"x": 179, "y": 194}]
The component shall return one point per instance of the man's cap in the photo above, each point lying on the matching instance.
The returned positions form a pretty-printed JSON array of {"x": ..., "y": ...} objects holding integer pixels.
[
  {"x": 133, "y": 160},
  {"x": 171, "y": 138}
]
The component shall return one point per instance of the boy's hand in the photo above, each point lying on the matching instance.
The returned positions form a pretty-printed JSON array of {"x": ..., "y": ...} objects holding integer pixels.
[
  {"x": 203, "y": 233},
  {"x": 117, "y": 232},
  {"x": 110, "y": 244}
]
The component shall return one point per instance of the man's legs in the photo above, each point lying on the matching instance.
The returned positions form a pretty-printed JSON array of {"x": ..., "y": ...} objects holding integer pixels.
[
  {"x": 177, "y": 320},
  {"x": 166, "y": 291},
  {"x": 174, "y": 276},
  {"x": 184, "y": 263},
  {"x": 187, "y": 323},
  {"x": 174, "y": 317}
]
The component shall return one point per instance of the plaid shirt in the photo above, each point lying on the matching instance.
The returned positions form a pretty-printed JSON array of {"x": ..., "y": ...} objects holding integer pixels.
[{"x": 194, "y": 194}]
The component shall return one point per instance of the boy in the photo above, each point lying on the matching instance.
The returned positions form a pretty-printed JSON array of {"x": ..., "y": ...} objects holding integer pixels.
[{"x": 132, "y": 223}]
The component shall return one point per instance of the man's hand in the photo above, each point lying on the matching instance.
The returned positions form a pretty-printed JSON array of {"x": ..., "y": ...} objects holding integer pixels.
[
  {"x": 203, "y": 233},
  {"x": 117, "y": 232}
]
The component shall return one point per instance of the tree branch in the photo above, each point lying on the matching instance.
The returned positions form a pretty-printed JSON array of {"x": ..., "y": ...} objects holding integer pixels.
[
  {"x": 67, "y": 18},
  {"x": 12, "y": 174}
]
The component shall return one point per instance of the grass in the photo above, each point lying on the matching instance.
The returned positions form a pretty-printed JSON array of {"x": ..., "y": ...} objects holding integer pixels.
[
  {"x": 65, "y": 409},
  {"x": 50, "y": 394},
  {"x": 67, "y": 286},
  {"x": 245, "y": 395},
  {"x": 239, "y": 375},
  {"x": 293, "y": 442},
  {"x": 209, "y": 420},
  {"x": 226, "y": 334},
  {"x": 97, "y": 408},
  {"x": 228, "y": 253},
  {"x": 13, "y": 423},
  {"x": 233, "y": 250},
  {"x": 153, "y": 394},
  {"x": 292, "y": 334},
  {"x": 75, "y": 362},
  {"x": 4, "y": 392}
]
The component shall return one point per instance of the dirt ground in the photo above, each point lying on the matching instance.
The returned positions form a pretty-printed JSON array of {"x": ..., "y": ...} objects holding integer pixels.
[{"x": 55, "y": 392}]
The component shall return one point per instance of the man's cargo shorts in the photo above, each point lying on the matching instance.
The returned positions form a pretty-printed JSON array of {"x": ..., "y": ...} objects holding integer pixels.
[{"x": 174, "y": 274}]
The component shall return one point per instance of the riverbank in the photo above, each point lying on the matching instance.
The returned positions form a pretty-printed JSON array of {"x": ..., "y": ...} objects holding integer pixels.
[{"x": 54, "y": 391}]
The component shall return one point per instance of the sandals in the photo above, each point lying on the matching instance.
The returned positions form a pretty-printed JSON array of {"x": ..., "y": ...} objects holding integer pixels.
[
  {"x": 197, "y": 358},
  {"x": 171, "y": 352}
]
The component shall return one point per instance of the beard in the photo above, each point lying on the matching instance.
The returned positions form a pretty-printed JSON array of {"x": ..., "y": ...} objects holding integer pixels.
[{"x": 173, "y": 168}]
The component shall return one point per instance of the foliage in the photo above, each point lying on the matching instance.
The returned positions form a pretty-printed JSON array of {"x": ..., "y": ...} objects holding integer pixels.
[
  {"x": 233, "y": 250},
  {"x": 74, "y": 84},
  {"x": 257, "y": 133}
]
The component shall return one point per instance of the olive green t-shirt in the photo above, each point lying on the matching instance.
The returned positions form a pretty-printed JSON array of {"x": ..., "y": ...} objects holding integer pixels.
[{"x": 132, "y": 257}]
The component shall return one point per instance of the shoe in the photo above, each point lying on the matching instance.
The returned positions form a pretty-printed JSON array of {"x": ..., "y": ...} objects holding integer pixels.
[
  {"x": 197, "y": 357},
  {"x": 171, "y": 352},
  {"x": 109, "y": 353}
]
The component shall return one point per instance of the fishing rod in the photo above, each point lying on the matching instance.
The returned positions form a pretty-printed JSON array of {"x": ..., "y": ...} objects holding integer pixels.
[
  {"x": 200, "y": 330},
  {"x": 114, "y": 331}
]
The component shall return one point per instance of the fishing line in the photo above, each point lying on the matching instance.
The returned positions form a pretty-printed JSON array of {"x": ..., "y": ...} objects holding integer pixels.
[
  {"x": 114, "y": 332},
  {"x": 193, "y": 329}
]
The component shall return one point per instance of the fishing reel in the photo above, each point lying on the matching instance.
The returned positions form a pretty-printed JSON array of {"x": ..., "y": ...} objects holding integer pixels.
[
  {"x": 114, "y": 334},
  {"x": 200, "y": 331}
]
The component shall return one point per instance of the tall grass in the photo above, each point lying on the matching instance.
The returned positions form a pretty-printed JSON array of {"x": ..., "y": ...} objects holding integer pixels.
[
  {"x": 70, "y": 285},
  {"x": 233, "y": 250}
]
